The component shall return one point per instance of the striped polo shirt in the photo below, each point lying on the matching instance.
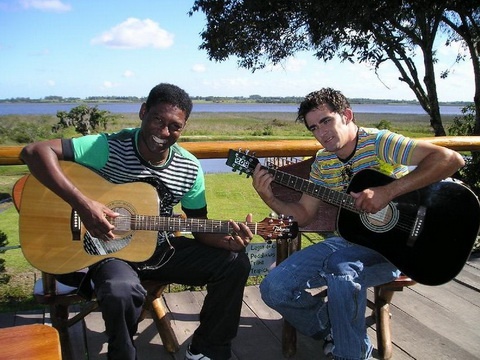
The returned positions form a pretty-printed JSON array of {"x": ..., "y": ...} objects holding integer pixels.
[{"x": 381, "y": 150}]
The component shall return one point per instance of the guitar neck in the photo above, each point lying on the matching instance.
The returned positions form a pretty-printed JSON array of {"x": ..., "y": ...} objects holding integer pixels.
[
  {"x": 323, "y": 193},
  {"x": 174, "y": 224}
]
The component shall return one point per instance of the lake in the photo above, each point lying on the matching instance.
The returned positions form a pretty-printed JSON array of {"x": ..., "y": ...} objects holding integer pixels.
[{"x": 52, "y": 108}]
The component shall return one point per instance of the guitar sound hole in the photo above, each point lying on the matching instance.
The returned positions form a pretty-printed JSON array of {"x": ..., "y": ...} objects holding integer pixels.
[
  {"x": 382, "y": 221},
  {"x": 122, "y": 222}
]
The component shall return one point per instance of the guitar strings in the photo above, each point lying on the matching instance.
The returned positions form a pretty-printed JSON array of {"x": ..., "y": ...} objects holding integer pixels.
[{"x": 270, "y": 229}]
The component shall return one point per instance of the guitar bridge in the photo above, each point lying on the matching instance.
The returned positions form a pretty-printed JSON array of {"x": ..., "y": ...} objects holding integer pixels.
[
  {"x": 75, "y": 225},
  {"x": 417, "y": 226}
]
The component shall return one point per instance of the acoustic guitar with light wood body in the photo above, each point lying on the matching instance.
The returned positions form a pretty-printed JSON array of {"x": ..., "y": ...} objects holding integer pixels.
[{"x": 54, "y": 240}]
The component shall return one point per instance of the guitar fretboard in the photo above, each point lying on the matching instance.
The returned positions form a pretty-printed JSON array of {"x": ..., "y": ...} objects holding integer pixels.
[
  {"x": 144, "y": 222},
  {"x": 321, "y": 192}
]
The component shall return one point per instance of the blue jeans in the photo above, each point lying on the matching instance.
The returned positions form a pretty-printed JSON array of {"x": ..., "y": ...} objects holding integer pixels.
[{"x": 347, "y": 270}]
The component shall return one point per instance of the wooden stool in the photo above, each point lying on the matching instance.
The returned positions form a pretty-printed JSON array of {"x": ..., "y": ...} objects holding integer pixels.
[{"x": 30, "y": 342}]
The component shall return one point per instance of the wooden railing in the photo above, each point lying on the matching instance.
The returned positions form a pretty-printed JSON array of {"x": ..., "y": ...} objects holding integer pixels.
[{"x": 10, "y": 155}]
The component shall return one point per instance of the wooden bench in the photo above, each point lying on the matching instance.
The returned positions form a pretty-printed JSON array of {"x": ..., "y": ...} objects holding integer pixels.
[
  {"x": 326, "y": 223},
  {"x": 30, "y": 342}
]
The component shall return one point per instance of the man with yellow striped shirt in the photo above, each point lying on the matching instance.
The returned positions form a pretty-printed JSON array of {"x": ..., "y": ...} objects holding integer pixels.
[{"x": 342, "y": 270}]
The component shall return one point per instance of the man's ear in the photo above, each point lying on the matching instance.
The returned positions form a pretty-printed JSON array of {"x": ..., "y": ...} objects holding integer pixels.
[
  {"x": 142, "y": 111},
  {"x": 348, "y": 114}
]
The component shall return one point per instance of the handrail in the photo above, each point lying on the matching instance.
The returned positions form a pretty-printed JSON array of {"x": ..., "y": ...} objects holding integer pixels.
[{"x": 10, "y": 155}]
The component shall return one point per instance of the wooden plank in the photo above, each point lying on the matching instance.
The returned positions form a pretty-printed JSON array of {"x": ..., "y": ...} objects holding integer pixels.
[
  {"x": 184, "y": 310},
  {"x": 256, "y": 328},
  {"x": 470, "y": 274},
  {"x": 441, "y": 333},
  {"x": 147, "y": 340},
  {"x": 30, "y": 342},
  {"x": 454, "y": 298},
  {"x": 28, "y": 317},
  {"x": 96, "y": 338},
  {"x": 423, "y": 342},
  {"x": 427, "y": 323},
  {"x": 10, "y": 155}
]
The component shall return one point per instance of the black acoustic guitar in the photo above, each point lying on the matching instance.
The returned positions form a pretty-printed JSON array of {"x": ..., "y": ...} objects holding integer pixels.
[{"x": 428, "y": 234}]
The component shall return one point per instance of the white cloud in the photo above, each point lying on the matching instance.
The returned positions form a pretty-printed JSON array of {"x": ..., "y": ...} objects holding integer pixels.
[
  {"x": 128, "y": 74},
  {"x": 45, "y": 5},
  {"x": 51, "y": 83},
  {"x": 134, "y": 34},
  {"x": 108, "y": 84},
  {"x": 199, "y": 68}
]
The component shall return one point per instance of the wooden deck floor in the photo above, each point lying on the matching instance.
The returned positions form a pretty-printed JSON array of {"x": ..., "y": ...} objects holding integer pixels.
[{"x": 441, "y": 322}]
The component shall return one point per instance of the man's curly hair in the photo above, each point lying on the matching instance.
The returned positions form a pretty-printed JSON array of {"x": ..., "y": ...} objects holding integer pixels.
[
  {"x": 170, "y": 94},
  {"x": 334, "y": 99}
]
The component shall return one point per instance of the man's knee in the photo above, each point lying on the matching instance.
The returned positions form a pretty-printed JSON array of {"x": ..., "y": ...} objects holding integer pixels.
[
  {"x": 272, "y": 290},
  {"x": 242, "y": 266},
  {"x": 121, "y": 294}
]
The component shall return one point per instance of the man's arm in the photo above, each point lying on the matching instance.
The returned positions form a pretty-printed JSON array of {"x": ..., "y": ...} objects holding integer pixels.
[
  {"x": 303, "y": 211},
  {"x": 42, "y": 159},
  {"x": 433, "y": 163}
]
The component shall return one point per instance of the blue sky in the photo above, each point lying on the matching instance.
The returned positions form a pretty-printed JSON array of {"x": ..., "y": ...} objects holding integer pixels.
[{"x": 80, "y": 48}]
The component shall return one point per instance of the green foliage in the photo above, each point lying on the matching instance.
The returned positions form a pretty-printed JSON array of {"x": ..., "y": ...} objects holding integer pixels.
[
  {"x": 464, "y": 126},
  {"x": 3, "y": 240},
  {"x": 4, "y": 278},
  {"x": 470, "y": 174},
  {"x": 384, "y": 125},
  {"x": 86, "y": 120}
]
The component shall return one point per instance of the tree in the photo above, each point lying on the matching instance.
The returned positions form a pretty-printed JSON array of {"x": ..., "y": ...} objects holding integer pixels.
[
  {"x": 372, "y": 31},
  {"x": 463, "y": 18},
  {"x": 85, "y": 119}
]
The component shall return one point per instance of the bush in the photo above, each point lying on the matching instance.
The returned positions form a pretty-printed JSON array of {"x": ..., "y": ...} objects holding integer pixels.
[
  {"x": 470, "y": 174},
  {"x": 4, "y": 278}
]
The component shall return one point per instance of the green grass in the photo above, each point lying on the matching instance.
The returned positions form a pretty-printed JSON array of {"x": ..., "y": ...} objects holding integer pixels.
[{"x": 18, "y": 129}]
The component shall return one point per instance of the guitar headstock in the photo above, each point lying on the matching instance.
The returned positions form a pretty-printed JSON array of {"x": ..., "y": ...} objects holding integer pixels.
[
  {"x": 241, "y": 162},
  {"x": 275, "y": 229}
]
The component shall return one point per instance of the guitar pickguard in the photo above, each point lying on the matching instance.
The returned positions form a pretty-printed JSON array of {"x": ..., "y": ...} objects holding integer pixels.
[{"x": 96, "y": 246}]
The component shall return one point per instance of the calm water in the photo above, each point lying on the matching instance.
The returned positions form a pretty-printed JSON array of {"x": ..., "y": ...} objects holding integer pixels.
[{"x": 51, "y": 109}]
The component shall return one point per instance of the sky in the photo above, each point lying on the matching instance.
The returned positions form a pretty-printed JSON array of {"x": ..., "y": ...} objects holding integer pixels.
[{"x": 82, "y": 48}]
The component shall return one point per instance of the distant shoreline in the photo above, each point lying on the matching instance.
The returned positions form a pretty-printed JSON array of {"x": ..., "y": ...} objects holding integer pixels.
[
  {"x": 53, "y": 108},
  {"x": 209, "y": 100}
]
